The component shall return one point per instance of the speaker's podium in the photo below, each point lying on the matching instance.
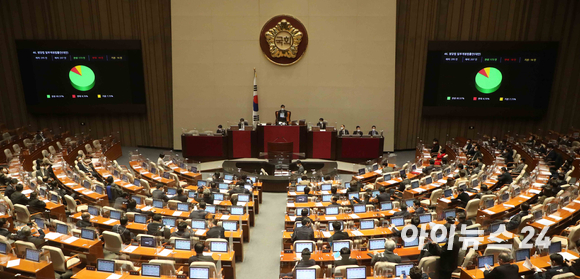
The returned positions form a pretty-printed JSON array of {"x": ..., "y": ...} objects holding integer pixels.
[{"x": 280, "y": 155}]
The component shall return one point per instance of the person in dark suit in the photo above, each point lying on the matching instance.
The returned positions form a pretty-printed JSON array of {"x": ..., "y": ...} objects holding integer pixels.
[
  {"x": 403, "y": 213},
  {"x": 357, "y": 132},
  {"x": 418, "y": 208},
  {"x": 43, "y": 172},
  {"x": 483, "y": 190},
  {"x": 558, "y": 267},
  {"x": 116, "y": 190},
  {"x": 179, "y": 196},
  {"x": 306, "y": 261},
  {"x": 121, "y": 229},
  {"x": 220, "y": 130},
  {"x": 430, "y": 168},
  {"x": 25, "y": 234},
  {"x": 155, "y": 227},
  {"x": 449, "y": 256},
  {"x": 338, "y": 233},
  {"x": 300, "y": 167},
  {"x": 239, "y": 189},
  {"x": 383, "y": 196},
  {"x": 343, "y": 131},
  {"x": 215, "y": 231},
  {"x": 4, "y": 225},
  {"x": 333, "y": 201},
  {"x": 242, "y": 124},
  {"x": 505, "y": 270},
  {"x": 436, "y": 146},
  {"x": 515, "y": 221},
  {"x": 321, "y": 124},
  {"x": 10, "y": 187},
  {"x": 4, "y": 179},
  {"x": 387, "y": 256},
  {"x": 121, "y": 200},
  {"x": 303, "y": 233},
  {"x": 345, "y": 258},
  {"x": 85, "y": 221},
  {"x": 504, "y": 178},
  {"x": 282, "y": 116},
  {"x": 199, "y": 257},
  {"x": 476, "y": 154},
  {"x": 462, "y": 199},
  {"x": 303, "y": 216},
  {"x": 462, "y": 221},
  {"x": 373, "y": 132},
  {"x": 200, "y": 213},
  {"x": 182, "y": 231},
  {"x": 36, "y": 204},
  {"x": 17, "y": 197},
  {"x": 158, "y": 193}
]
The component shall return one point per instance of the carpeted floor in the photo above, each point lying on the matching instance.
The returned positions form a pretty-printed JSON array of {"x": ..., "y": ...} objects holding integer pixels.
[{"x": 262, "y": 253}]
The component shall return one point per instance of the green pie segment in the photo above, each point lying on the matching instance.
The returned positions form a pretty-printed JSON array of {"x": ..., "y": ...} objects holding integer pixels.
[
  {"x": 82, "y": 78},
  {"x": 488, "y": 80}
]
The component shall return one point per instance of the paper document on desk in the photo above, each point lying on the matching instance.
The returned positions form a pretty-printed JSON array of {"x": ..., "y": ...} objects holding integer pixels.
[
  {"x": 292, "y": 193},
  {"x": 536, "y": 184},
  {"x": 353, "y": 216},
  {"x": 509, "y": 205},
  {"x": 225, "y": 217},
  {"x": 53, "y": 235},
  {"x": 545, "y": 173},
  {"x": 319, "y": 204},
  {"x": 524, "y": 197},
  {"x": 535, "y": 191},
  {"x": 330, "y": 218},
  {"x": 130, "y": 248},
  {"x": 26, "y": 192},
  {"x": 13, "y": 263},
  {"x": 70, "y": 239},
  {"x": 164, "y": 253},
  {"x": 569, "y": 209},
  {"x": 61, "y": 176},
  {"x": 177, "y": 213},
  {"x": 576, "y": 201},
  {"x": 445, "y": 200},
  {"x": 326, "y": 234},
  {"x": 200, "y": 232},
  {"x": 357, "y": 233},
  {"x": 216, "y": 202},
  {"x": 111, "y": 221},
  {"x": 147, "y": 208},
  {"x": 292, "y": 218},
  {"x": 114, "y": 276},
  {"x": 546, "y": 222},
  {"x": 568, "y": 256},
  {"x": 488, "y": 211},
  {"x": 88, "y": 192},
  {"x": 70, "y": 184},
  {"x": 442, "y": 181},
  {"x": 392, "y": 181},
  {"x": 241, "y": 203},
  {"x": 555, "y": 217},
  {"x": 495, "y": 239},
  {"x": 290, "y": 204}
]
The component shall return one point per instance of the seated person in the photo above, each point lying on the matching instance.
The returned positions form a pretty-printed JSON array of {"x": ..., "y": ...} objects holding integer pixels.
[
  {"x": 503, "y": 178},
  {"x": 306, "y": 261},
  {"x": 132, "y": 206},
  {"x": 418, "y": 207},
  {"x": 121, "y": 229},
  {"x": 4, "y": 225},
  {"x": 158, "y": 193},
  {"x": 558, "y": 266},
  {"x": 338, "y": 233},
  {"x": 85, "y": 220},
  {"x": 515, "y": 220},
  {"x": 199, "y": 257},
  {"x": 182, "y": 231},
  {"x": 403, "y": 213},
  {"x": 387, "y": 256},
  {"x": 462, "y": 178},
  {"x": 417, "y": 273},
  {"x": 462, "y": 199},
  {"x": 373, "y": 132},
  {"x": 17, "y": 197},
  {"x": 334, "y": 201},
  {"x": 34, "y": 204},
  {"x": 179, "y": 196},
  {"x": 25, "y": 234},
  {"x": 519, "y": 167},
  {"x": 343, "y": 131},
  {"x": 242, "y": 124},
  {"x": 357, "y": 132},
  {"x": 321, "y": 124},
  {"x": 430, "y": 168},
  {"x": 462, "y": 221},
  {"x": 200, "y": 213},
  {"x": 483, "y": 190},
  {"x": 505, "y": 269},
  {"x": 303, "y": 233},
  {"x": 345, "y": 258},
  {"x": 303, "y": 216},
  {"x": 121, "y": 200},
  {"x": 220, "y": 130},
  {"x": 435, "y": 147},
  {"x": 215, "y": 231},
  {"x": 304, "y": 181},
  {"x": 156, "y": 227},
  {"x": 282, "y": 116},
  {"x": 383, "y": 196}
]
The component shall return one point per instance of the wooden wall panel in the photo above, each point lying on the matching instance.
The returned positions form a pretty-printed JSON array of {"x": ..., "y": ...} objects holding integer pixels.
[
  {"x": 419, "y": 21},
  {"x": 148, "y": 21}
]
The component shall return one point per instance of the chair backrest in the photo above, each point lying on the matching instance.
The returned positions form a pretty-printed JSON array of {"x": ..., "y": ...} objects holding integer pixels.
[
  {"x": 435, "y": 195},
  {"x": 383, "y": 268},
  {"x": 57, "y": 257},
  {"x": 484, "y": 198},
  {"x": 52, "y": 150},
  {"x": 22, "y": 245},
  {"x": 9, "y": 203},
  {"x": 573, "y": 236},
  {"x": 16, "y": 148},
  {"x": 88, "y": 148},
  {"x": 125, "y": 265},
  {"x": 429, "y": 266},
  {"x": 524, "y": 222},
  {"x": 167, "y": 266},
  {"x": 8, "y": 154},
  {"x": 145, "y": 185},
  {"x": 22, "y": 213},
  {"x": 548, "y": 200},
  {"x": 339, "y": 270},
  {"x": 564, "y": 276},
  {"x": 113, "y": 241},
  {"x": 469, "y": 258},
  {"x": 471, "y": 208},
  {"x": 210, "y": 265},
  {"x": 59, "y": 145},
  {"x": 4, "y": 240}
]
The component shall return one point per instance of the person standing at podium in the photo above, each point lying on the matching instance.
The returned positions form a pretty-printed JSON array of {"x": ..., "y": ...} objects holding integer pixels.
[
  {"x": 220, "y": 130},
  {"x": 343, "y": 131},
  {"x": 242, "y": 124},
  {"x": 321, "y": 124},
  {"x": 358, "y": 132},
  {"x": 373, "y": 132},
  {"x": 282, "y": 116}
]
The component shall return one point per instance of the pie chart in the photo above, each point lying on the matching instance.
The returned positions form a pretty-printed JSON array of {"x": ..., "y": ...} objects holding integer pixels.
[
  {"x": 82, "y": 78},
  {"x": 488, "y": 80}
]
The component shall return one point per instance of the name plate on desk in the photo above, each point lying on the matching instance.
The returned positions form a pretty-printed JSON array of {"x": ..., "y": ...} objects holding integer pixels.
[
  {"x": 90, "y": 267},
  {"x": 181, "y": 276},
  {"x": 134, "y": 272}
]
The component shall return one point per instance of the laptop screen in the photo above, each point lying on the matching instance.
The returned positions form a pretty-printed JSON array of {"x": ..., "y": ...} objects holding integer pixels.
[
  {"x": 210, "y": 209},
  {"x": 352, "y": 196},
  {"x": 428, "y": 180},
  {"x": 230, "y": 225},
  {"x": 141, "y": 218},
  {"x": 449, "y": 212},
  {"x": 114, "y": 214},
  {"x": 171, "y": 191},
  {"x": 137, "y": 182},
  {"x": 362, "y": 171},
  {"x": 105, "y": 266},
  {"x": 237, "y": 210},
  {"x": 300, "y": 246},
  {"x": 448, "y": 193},
  {"x": 147, "y": 241},
  {"x": 522, "y": 254},
  {"x": 337, "y": 245},
  {"x": 402, "y": 173},
  {"x": 192, "y": 194},
  {"x": 347, "y": 185},
  {"x": 538, "y": 214},
  {"x": 398, "y": 221},
  {"x": 555, "y": 247},
  {"x": 137, "y": 199},
  {"x": 485, "y": 260},
  {"x": 243, "y": 197},
  {"x": 403, "y": 269},
  {"x": 223, "y": 186},
  {"x": 54, "y": 198},
  {"x": 218, "y": 196},
  {"x": 305, "y": 273},
  {"x": 387, "y": 177},
  {"x": 414, "y": 184},
  {"x": 166, "y": 175},
  {"x": 377, "y": 244},
  {"x": 183, "y": 206},
  {"x": 198, "y": 224},
  {"x": 39, "y": 222},
  {"x": 3, "y": 248},
  {"x": 325, "y": 187},
  {"x": 229, "y": 177},
  {"x": 182, "y": 244},
  {"x": 99, "y": 189},
  {"x": 169, "y": 221},
  {"x": 218, "y": 246},
  {"x": 359, "y": 208},
  {"x": 411, "y": 243},
  {"x": 152, "y": 270},
  {"x": 201, "y": 183},
  {"x": 332, "y": 210},
  {"x": 386, "y": 206},
  {"x": 62, "y": 228},
  {"x": 199, "y": 272},
  {"x": 32, "y": 255},
  {"x": 356, "y": 273},
  {"x": 367, "y": 224},
  {"x": 410, "y": 202},
  {"x": 88, "y": 234},
  {"x": 300, "y": 188},
  {"x": 496, "y": 228},
  {"x": 158, "y": 203},
  {"x": 425, "y": 218},
  {"x": 86, "y": 184},
  {"x": 489, "y": 203}
]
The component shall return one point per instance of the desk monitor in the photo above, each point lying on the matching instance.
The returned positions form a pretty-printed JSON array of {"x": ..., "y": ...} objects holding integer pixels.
[
  {"x": 362, "y": 171},
  {"x": 62, "y": 228},
  {"x": 447, "y": 171},
  {"x": 183, "y": 206},
  {"x": 485, "y": 260},
  {"x": 386, "y": 206},
  {"x": 449, "y": 212},
  {"x": 331, "y": 227},
  {"x": 144, "y": 165},
  {"x": 152, "y": 170},
  {"x": 326, "y": 198},
  {"x": 377, "y": 244},
  {"x": 367, "y": 224},
  {"x": 218, "y": 246},
  {"x": 137, "y": 182},
  {"x": 192, "y": 194},
  {"x": 229, "y": 177},
  {"x": 425, "y": 218},
  {"x": 105, "y": 266},
  {"x": 359, "y": 208},
  {"x": 223, "y": 186},
  {"x": 305, "y": 273},
  {"x": 182, "y": 244},
  {"x": 39, "y": 222},
  {"x": 114, "y": 214},
  {"x": 375, "y": 193},
  {"x": 198, "y": 224},
  {"x": 158, "y": 203},
  {"x": 169, "y": 221},
  {"x": 32, "y": 255},
  {"x": 230, "y": 225},
  {"x": 54, "y": 198},
  {"x": 140, "y": 218},
  {"x": 448, "y": 193},
  {"x": 463, "y": 187},
  {"x": 564, "y": 201},
  {"x": 414, "y": 184},
  {"x": 555, "y": 247},
  {"x": 332, "y": 210},
  {"x": 3, "y": 248},
  {"x": 552, "y": 207},
  {"x": 538, "y": 214},
  {"x": 337, "y": 245},
  {"x": 325, "y": 187},
  {"x": 412, "y": 243},
  {"x": 99, "y": 189},
  {"x": 439, "y": 175},
  {"x": 137, "y": 199},
  {"x": 193, "y": 169},
  {"x": 301, "y": 199},
  {"x": 86, "y": 184},
  {"x": 300, "y": 246},
  {"x": 387, "y": 177},
  {"x": 42, "y": 191},
  {"x": 356, "y": 272},
  {"x": 87, "y": 234},
  {"x": 252, "y": 178},
  {"x": 151, "y": 270},
  {"x": 210, "y": 208},
  {"x": 148, "y": 241},
  {"x": 199, "y": 272},
  {"x": 237, "y": 210},
  {"x": 497, "y": 227},
  {"x": 171, "y": 191},
  {"x": 522, "y": 254},
  {"x": 428, "y": 180},
  {"x": 299, "y": 179},
  {"x": 347, "y": 185},
  {"x": 352, "y": 196},
  {"x": 410, "y": 202},
  {"x": 398, "y": 221},
  {"x": 402, "y": 173},
  {"x": 125, "y": 178},
  {"x": 375, "y": 167},
  {"x": 414, "y": 166},
  {"x": 403, "y": 269},
  {"x": 483, "y": 177},
  {"x": 166, "y": 175},
  {"x": 218, "y": 196},
  {"x": 248, "y": 187},
  {"x": 489, "y": 203},
  {"x": 504, "y": 197},
  {"x": 201, "y": 183},
  {"x": 300, "y": 188}
]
